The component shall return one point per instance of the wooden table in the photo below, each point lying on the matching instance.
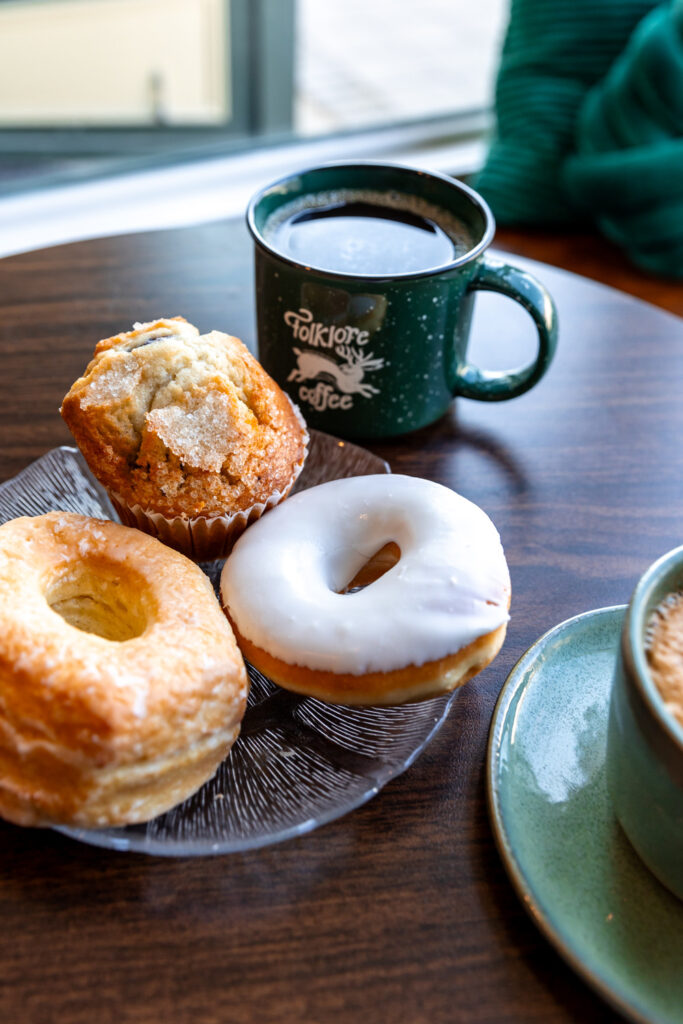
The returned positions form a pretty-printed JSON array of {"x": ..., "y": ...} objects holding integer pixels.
[{"x": 400, "y": 912}]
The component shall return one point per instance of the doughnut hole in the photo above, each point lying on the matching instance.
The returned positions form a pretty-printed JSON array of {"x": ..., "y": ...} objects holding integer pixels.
[
  {"x": 97, "y": 598},
  {"x": 382, "y": 561}
]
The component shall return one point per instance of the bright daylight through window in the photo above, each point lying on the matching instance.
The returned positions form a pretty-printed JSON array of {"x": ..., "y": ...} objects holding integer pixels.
[{"x": 87, "y": 82}]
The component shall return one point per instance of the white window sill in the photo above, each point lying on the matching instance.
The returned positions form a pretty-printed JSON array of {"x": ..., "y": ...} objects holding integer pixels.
[{"x": 213, "y": 189}]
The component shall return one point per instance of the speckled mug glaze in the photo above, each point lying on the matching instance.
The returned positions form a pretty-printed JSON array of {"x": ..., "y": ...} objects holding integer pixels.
[
  {"x": 644, "y": 741},
  {"x": 376, "y": 356}
]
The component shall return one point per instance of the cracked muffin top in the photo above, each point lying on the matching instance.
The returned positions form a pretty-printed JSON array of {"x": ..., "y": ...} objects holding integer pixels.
[{"x": 184, "y": 424}]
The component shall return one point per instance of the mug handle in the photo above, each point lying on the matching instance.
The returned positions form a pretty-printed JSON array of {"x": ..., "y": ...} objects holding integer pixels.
[{"x": 494, "y": 275}]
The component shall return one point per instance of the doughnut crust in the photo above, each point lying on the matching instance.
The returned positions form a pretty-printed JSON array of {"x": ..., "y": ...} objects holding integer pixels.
[
  {"x": 302, "y": 614},
  {"x": 121, "y": 686},
  {"x": 400, "y": 686}
]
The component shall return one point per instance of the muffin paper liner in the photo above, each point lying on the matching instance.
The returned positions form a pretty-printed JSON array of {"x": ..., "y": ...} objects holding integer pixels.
[{"x": 204, "y": 538}]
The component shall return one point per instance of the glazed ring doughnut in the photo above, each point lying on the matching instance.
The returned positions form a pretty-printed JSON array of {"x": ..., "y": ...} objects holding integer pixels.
[
  {"x": 424, "y": 627},
  {"x": 121, "y": 686}
]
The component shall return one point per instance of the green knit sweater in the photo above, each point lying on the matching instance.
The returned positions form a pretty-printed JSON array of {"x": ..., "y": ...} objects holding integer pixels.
[{"x": 589, "y": 104}]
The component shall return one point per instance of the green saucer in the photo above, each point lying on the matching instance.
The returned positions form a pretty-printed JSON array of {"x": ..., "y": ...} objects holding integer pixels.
[{"x": 568, "y": 859}]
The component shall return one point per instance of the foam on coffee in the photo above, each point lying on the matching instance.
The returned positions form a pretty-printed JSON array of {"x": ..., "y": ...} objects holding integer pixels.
[
  {"x": 367, "y": 232},
  {"x": 664, "y": 651}
]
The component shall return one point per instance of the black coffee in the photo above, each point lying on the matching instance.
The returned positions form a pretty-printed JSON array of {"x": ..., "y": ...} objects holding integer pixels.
[{"x": 367, "y": 233}]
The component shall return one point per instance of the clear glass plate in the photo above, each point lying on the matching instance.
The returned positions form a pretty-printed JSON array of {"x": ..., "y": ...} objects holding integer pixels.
[{"x": 298, "y": 762}]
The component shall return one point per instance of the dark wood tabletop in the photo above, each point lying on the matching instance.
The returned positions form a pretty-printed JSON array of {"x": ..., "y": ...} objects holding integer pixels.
[{"x": 401, "y": 911}]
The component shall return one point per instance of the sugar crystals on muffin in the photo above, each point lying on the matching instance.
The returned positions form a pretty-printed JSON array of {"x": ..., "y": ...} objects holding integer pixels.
[{"x": 188, "y": 433}]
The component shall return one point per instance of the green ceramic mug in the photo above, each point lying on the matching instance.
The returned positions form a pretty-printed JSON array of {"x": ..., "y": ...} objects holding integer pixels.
[
  {"x": 644, "y": 740},
  {"x": 372, "y": 342}
]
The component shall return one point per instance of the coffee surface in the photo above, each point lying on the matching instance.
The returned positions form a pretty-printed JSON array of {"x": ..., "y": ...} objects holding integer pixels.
[
  {"x": 367, "y": 233},
  {"x": 664, "y": 650}
]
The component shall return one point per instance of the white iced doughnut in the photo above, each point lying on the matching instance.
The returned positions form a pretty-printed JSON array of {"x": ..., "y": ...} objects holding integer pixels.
[{"x": 427, "y": 625}]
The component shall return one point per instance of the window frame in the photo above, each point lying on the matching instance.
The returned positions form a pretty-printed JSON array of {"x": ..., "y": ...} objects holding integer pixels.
[{"x": 261, "y": 55}]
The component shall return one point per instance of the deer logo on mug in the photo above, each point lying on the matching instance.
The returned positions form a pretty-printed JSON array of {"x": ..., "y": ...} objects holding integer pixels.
[{"x": 336, "y": 374}]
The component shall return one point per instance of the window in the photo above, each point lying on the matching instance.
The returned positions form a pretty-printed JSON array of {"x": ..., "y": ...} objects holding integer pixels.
[
  {"x": 87, "y": 82},
  {"x": 365, "y": 62}
]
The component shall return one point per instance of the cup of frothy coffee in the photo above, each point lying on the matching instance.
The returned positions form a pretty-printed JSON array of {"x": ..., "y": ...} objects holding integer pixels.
[
  {"x": 645, "y": 733},
  {"x": 366, "y": 275}
]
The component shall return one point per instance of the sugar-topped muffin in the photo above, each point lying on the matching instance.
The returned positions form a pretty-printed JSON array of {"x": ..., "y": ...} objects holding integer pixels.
[{"x": 188, "y": 432}]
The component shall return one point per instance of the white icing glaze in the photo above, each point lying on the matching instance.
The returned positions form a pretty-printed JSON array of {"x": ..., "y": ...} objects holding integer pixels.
[{"x": 450, "y": 586}]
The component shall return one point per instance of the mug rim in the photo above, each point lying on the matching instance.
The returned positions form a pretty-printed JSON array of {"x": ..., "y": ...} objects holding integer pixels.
[
  {"x": 459, "y": 261},
  {"x": 641, "y": 605}
]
